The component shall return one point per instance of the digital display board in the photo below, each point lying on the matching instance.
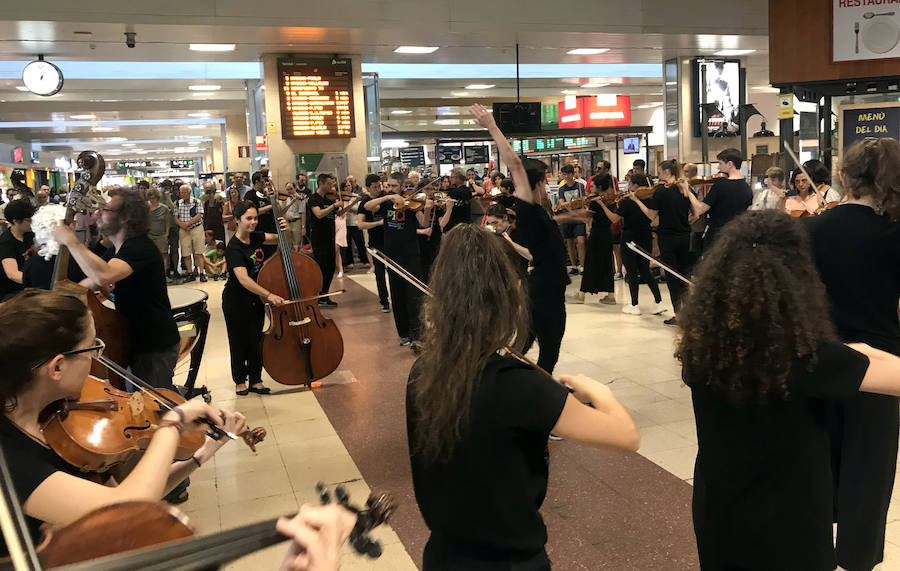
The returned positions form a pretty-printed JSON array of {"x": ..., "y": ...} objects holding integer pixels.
[
  {"x": 558, "y": 143},
  {"x": 412, "y": 156},
  {"x": 181, "y": 163},
  {"x": 476, "y": 155},
  {"x": 316, "y": 97}
]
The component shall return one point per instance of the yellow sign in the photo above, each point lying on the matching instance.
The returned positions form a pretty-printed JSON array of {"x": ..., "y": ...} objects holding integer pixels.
[
  {"x": 272, "y": 127},
  {"x": 786, "y": 106}
]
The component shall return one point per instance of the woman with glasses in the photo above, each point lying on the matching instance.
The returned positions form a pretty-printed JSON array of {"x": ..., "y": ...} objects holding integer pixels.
[{"x": 48, "y": 343}]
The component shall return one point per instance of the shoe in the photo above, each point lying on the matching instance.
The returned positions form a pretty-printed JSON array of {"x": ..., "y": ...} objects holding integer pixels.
[
  {"x": 327, "y": 303},
  {"x": 179, "y": 498},
  {"x": 385, "y": 309},
  {"x": 573, "y": 271},
  {"x": 371, "y": 271},
  {"x": 172, "y": 281},
  {"x": 618, "y": 276},
  {"x": 340, "y": 274},
  {"x": 658, "y": 308},
  {"x": 580, "y": 269},
  {"x": 574, "y": 299},
  {"x": 671, "y": 321},
  {"x": 631, "y": 309},
  {"x": 608, "y": 300},
  {"x": 260, "y": 390},
  {"x": 404, "y": 341},
  {"x": 203, "y": 278},
  {"x": 189, "y": 278},
  {"x": 555, "y": 437},
  {"x": 242, "y": 393}
]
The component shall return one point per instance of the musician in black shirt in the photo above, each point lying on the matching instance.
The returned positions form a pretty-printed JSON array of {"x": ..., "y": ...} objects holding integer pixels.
[
  {"x": 538, "y": 232},
  {"x": 321, "y": 231},
  {"x": 373, "y": 224},
  {"x": 727, "y": 198},
  {"x": 15, "y": 244},
  {"x": 462, "y": 194}
]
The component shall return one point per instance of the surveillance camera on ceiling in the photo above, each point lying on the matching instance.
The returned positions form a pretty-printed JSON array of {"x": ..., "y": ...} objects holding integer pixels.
[{"x": 129, "y": 39}]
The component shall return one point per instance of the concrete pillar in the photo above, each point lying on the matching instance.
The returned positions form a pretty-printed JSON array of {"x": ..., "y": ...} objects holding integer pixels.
[
  {"x": 236, "y": 136},
  {"x": 217, "y": 154},
  {"x": 283, "y": 152}
]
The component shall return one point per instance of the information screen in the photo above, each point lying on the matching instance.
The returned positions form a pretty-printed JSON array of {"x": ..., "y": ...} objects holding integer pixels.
[{"x": 316, "y": 97}]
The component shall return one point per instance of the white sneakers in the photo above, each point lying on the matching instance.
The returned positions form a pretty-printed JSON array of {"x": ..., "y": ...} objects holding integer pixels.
[
  {"x": 658, "y": 308},
  {"x": 631, "y": 309}
]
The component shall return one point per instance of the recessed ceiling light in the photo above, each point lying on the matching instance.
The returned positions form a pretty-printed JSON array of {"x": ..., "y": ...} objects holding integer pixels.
[
  {"x": 101, "y": 129},
  {"x": 480, "y": 86},
  {"x": 212, "y": 47},
  {"x": 130, "y": 145},
  {"x": 416, "y": 49},
  {"x": 587, "y": 51},
  {"x": 204, "y": 87},
  {"x": 447, "y": 122},
  {"x": 400, "y": 112},
  {"x": 203, "y": 114},
  {"x": 196, "y": 126},
  {"x": 117, "y": 139},
  {"x": 82, "y": 116},
  {"x": 733, "y": 52},
  {"x": 21, "y": 88},
  {"x": 590, "y": 85}
]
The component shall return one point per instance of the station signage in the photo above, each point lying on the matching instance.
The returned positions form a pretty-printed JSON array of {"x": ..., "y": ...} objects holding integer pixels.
[
  {"x": 133, "y": 164},
  {"x": 181, "y": 164},
  {"x": 527, "y": 146},
  {"x": 412, "y": 156},
  {"x": 594, "y": 111},
  {"x": 316, "y": 98}
]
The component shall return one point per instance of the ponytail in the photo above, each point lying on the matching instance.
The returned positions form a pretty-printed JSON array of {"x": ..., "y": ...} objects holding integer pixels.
[{"x": 870, "y": 169}]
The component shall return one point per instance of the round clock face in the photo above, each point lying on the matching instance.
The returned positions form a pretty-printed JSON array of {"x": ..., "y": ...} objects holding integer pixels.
[{"x": 42, "y": 78}]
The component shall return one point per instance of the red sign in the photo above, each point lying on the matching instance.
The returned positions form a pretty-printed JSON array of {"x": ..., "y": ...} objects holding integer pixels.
[
  {"x": 244, "y": 151},
  {"x": 595, "y": 111},
  {"x": 17, "y": 155},
  {"x": 262, "y": 142}
]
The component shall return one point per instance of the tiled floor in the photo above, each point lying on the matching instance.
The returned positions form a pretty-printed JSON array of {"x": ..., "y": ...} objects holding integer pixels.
[{"x": 615, "y": 498}]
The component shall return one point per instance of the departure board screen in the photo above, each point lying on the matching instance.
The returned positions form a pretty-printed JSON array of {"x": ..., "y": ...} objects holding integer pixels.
[{"x": 316, "y": 98}]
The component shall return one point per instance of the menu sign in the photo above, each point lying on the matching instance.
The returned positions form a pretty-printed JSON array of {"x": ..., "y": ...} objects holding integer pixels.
[
  {"x": 876, "y": 122},
  {"x": 476, "y": 155},
  {"x": 448, "y": 154},
  {"x": 316, "y": 97},
  {"x": 412, "y": 156}
]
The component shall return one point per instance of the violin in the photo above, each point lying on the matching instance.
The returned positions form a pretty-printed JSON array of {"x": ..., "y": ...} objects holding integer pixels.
[
  {"x": 414, "y": 201},
  {"x": 301, "y": 345},
  {"x": 156, "y": 536},
  {"x": 706, "y": 180},
  {"x": 108, "y": 426}
]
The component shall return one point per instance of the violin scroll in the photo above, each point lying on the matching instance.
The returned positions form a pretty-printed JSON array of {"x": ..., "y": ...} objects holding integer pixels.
[{"x": 379, "y": 509}]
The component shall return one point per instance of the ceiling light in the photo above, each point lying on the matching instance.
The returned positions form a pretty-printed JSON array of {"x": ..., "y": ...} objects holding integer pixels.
[
  {"x": 447, "y": 122},
  {"x": 82, "y": 116},
  {"x": 130, "y": 145},
  {"x": 204, "y": 87},
  {"x": 196, "y": 126},
  {"x": 21, "y": 88},
  {"x": 480, "y": 86},
  {"x": 587, "y": 51},
  {"x": 212, "y": 47},
  {"x": 416, "y": 50},
  {"x": 101, "y": 129},
  {"x": 569, "y": 92},
  {"x": 400, "y": 112},
  {"x": 393, "y": 144},
  {"x": 733, "y": 52},
  {"x": 117, "y": 139},
  {"x": 203, "y": 114},
  {"x": 590, "y": 85}
]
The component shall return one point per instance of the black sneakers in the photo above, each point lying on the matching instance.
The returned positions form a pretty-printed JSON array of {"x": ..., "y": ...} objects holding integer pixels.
[{"x": 327, "y": 303}]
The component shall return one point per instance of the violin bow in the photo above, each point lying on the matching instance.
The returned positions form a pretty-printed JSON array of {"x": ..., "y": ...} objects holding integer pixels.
[
  {"x": 645, "y": 254},
  {"x": 419, "y": 284},
  {"x": 812, "y": 185},
  {"x": 214, "y": 431}
]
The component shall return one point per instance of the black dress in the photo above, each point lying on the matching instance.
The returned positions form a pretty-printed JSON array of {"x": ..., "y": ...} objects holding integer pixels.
[
  {"x": 857, "y": 254},
  {"x": 598, "y": 259}
]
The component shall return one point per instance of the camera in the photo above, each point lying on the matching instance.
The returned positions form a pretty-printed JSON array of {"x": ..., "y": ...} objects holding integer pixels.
[{"x": 129, "y": 39}]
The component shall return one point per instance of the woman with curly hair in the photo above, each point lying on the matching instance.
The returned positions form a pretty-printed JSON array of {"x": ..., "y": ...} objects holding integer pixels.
[
  {"x": 761, "y": 357},
  {"x": 856, "y": 247}
]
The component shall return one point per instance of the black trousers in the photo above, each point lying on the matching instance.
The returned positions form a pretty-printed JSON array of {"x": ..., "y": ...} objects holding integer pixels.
[
  {"x": 675, "y": 251},
  {"x": 406, "y": 299},
  {"x": 548, "y": 325},
  {"x": 243, "y": 321},
  {"x": 355, "y": 239},
  {"x": 380, "y": 282},
  {"x": 323, "y": 254},
  {"x": 637, "y": 269},
  {"x": 864, "y": 454}
]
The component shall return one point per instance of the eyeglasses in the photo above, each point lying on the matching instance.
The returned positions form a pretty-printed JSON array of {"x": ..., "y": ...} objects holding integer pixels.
[{"x": 98, "y": 348}]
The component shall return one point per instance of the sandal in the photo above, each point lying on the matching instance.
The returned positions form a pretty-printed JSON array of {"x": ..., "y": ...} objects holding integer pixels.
[{"x": 179, "y": 499}]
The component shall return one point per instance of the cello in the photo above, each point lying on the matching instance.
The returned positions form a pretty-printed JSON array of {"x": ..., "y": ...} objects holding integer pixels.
[
  {"x": 110, "y": 324},
  {"x": 300, "y": 345}
]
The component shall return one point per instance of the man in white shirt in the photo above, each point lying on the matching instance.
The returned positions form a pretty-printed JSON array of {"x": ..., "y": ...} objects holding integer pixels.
[{"x": 189, "y": 217}]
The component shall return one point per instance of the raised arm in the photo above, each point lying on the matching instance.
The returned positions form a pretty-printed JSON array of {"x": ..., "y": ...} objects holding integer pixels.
[{"x": 507, "y": 155}]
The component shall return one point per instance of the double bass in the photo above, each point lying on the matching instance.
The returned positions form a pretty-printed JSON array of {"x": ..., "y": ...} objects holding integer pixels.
[{"x": 300, "y": 345}]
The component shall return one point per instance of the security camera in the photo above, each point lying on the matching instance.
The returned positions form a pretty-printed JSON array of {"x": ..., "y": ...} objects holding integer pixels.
[{"x": 129, "y": 39}]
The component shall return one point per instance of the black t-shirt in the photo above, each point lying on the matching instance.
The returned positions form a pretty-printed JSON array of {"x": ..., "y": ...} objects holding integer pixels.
[
  {"x": 320, "y": 229},
  {"x": 540, "y": 234},
  {"x": 38, "y": 272},
  {"x": 250, "y": 256},
  {"x": 266, "y": 221},
  {"x": 636, "y": 225},
  {"x": 484, "y": 501},
  {"x": 857, "y": 253},
  {"x": 10, "y": 247},
  {"x": 400, "y": 238},
  {"x": 462, "y": 210},
  {"x": 30, "y": 463},
  {"x": 601, "y": 220},
  {"x": 507, "y": 200},
  {"x": 142, "y": 297},
  {"x": 726, "y": 199},
  {"x": 762, "y": 481},
  {"x": 376, "y": 233},
  {"x": 674, "y": 209}
]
